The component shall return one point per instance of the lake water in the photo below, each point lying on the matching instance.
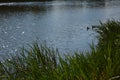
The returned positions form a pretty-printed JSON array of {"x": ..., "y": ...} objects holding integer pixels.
[{"x": 61, "y": 24}]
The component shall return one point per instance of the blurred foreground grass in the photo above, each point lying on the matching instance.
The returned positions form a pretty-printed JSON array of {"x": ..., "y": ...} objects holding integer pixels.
[{"x": 41, "y": 62}]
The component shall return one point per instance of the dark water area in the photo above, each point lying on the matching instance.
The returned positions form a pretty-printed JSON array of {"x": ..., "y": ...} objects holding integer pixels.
[{"x": 61, "y": 24}]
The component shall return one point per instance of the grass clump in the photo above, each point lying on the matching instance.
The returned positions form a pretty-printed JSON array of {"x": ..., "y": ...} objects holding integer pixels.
[
  {"x": 109, "y": 33},
  {"x": 41, "y": 62},
  {"x": 33, "y": 64}
]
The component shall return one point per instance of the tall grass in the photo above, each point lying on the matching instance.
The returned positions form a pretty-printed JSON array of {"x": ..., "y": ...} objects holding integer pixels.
[
  {"x": 109, "y": 33},
  {"x": 41, "y": 62}
]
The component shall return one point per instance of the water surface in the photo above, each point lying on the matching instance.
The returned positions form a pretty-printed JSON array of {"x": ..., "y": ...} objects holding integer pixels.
[{"x": 61, "y": 24}]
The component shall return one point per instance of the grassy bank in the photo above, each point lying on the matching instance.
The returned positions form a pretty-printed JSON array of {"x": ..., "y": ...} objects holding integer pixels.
[{"x": 40, "y": 62}]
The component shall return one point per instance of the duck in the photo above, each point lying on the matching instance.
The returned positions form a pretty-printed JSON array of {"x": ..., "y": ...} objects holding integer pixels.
[
  {"x": 93, "y": 27},
  {"x": 88, "y": 28}
]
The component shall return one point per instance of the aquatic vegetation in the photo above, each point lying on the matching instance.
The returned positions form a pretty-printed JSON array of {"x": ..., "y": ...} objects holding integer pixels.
[{"x": 40, "y": 62}]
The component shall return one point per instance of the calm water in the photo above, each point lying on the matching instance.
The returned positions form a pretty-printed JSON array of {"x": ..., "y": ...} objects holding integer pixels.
[{"x": 61, "y": 24}]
